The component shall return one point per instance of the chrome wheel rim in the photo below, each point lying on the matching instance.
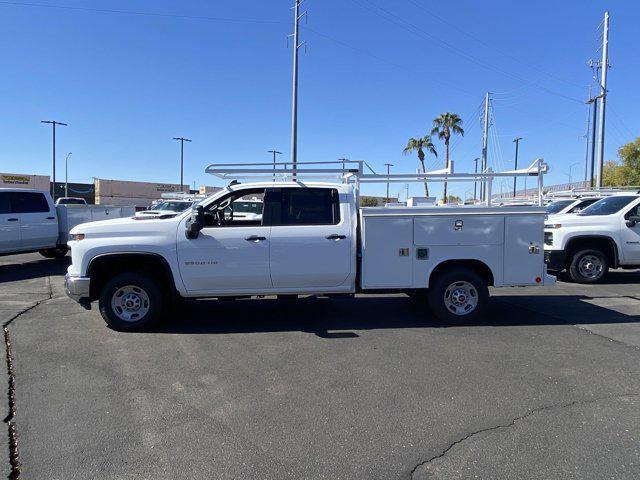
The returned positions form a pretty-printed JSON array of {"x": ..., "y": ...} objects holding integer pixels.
[
  {"x": 461, "y": 298},
  {"x": 590, "y": 266},
  {"x": 130, "y": 303}
]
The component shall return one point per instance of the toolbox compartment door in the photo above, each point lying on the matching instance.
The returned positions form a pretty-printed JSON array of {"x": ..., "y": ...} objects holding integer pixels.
[
  {"x": 459, "y": 230},
  {"x": 387, "y": 252}
]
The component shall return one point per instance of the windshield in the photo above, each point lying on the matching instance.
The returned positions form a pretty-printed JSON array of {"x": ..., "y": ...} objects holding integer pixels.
[
  {"x": 247, "y": 207},
  {"x": 172, "y": 206},
  {"x": 608, "y": 205},
  {"x": 555, "y": 207}
]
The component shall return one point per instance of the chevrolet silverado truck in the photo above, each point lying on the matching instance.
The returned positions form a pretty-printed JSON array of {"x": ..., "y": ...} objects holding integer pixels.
[
  {"x": 604, "y": 235},
  {"x": 308, "y": 239}
]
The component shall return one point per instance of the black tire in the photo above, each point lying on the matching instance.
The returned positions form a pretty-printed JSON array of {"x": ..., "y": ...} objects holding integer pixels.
[
  {"x": 588, "y": 266},
  {"x": 475, "y": 298},
  {"x": 58, "y": 252},
  {"x": 141, "y": 291}
]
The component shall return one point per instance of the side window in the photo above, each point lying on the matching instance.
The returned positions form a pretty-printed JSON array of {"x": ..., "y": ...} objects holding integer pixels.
[
  {"x": 5, "y": 205},
  {"x": 238, "y": 209},
  {"x": 634, "y": 212},
  {"x": 581, "y": 206},
  {"x": 308, "y": 206},
  {"x": 28, "y": 202}
]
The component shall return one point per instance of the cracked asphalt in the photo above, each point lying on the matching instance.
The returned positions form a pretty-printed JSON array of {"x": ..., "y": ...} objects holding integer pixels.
[{"x": 547, "y": 385}]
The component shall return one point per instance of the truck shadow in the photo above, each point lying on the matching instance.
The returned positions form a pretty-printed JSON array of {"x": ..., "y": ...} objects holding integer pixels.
[
  {"x": 43, "y": 267},
  {"x": 343, "y": 318},
  {"x": 614, "y": 277}
]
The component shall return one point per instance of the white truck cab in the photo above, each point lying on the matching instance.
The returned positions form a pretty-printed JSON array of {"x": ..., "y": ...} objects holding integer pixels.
[
  {"x": 604, "y": 235},
  {"x": 310, "y": 238}
]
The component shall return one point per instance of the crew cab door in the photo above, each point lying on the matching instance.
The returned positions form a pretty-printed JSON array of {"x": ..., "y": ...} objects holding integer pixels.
[
  {"x": 229, "y": 254},
  {"x": 310, "y": 238},
  {"x": 9, "y": 226},
  {"x": 630, "y": 237}
]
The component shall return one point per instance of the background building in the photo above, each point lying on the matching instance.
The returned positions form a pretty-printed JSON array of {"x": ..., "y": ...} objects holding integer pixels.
[{"x": 25, "y": 180}]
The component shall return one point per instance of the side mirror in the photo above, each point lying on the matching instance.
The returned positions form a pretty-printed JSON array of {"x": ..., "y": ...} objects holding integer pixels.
[
  {"x": 632, "y": 221},
  {"x": 196, "y": 222}
]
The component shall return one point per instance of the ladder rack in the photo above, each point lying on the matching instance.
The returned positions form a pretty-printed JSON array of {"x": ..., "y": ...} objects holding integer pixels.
[{"x": 352, "y": 172}]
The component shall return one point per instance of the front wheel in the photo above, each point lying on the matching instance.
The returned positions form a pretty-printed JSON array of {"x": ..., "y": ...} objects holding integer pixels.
[
  {"x": 588, "y": 266},
  {"x": 130, "y": 301},
  {"x": 460, "y": 295}
]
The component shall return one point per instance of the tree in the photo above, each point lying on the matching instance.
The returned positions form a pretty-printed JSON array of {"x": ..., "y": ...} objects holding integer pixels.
[
  {"x": 444, "y": 126},
  {"x": 420, "y": 145},
  {"x": 454, "y": 199},
  {"x": 625, "y": 171},
  {"x": 368, "y": 201}
]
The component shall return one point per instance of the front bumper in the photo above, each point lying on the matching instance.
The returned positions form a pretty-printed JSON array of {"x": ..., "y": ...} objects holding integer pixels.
[
  {"x": 555, "y": 260},
  {"x": 77, "y": 288}
]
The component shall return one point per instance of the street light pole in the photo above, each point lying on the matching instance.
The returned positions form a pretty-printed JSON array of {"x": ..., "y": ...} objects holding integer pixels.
[
  {"x": 182, "y": 140},
  {"x": 515, "y": 167},
  {"x": 475, "y": 182},
  {"x": 389, "y": 165},
  {"x": 66, "y": 175},
  {"x": 275, "y": 152},
  {"x": 54, "y": 123},
  {"x": 570, "y": 177}
]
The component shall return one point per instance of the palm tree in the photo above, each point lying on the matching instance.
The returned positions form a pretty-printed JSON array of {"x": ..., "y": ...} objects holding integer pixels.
[
  {"x": 444, "y": 126},
  {"x": 420, "y": 145}
]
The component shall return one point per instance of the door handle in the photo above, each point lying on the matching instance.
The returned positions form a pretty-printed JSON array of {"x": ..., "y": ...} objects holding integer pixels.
[
  {"x": 335, "y": 236},
  {"x": 12, "y": 219},
  {"x": 50, "y": 218},
  {"x": 255, "y": 238}
]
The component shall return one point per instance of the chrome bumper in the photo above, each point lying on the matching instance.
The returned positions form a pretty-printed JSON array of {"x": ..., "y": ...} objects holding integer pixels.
[{"x": 77, "y": 288}]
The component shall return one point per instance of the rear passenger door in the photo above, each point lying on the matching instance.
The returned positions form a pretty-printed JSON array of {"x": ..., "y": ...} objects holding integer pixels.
[
  {"x": 9, "y": 226},
  {"x": 310, "y": 238},
  {"x": 37, "y": 218}
]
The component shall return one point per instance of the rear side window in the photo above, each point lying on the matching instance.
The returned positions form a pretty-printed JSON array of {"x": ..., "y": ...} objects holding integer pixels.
[
  {"x": 306, "y": 206},
  {"x": 28, "y": 202},
  {"x": 5, "y": 204}
]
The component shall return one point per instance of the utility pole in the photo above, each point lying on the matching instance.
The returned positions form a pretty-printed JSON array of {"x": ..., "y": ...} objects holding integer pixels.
[
  {"x": 515, "y": 166},
  {"x": 389, "y": 165},
  {"x": 485, "y": 128},
  {"x": 182, "y": 140},
  {"x": 594, "y": 102},
  {"x": 475, "y": 182},
  {"x": 275, "y": 152},
  {"x": 54, "y": 123},
  {"x": 586, "y": 141},
  {"x": 294, "y": 107},
  {"x": 66, "y": 175},
  {"x": 603, "y": 96},
  {"x": 570, "y": 177}
]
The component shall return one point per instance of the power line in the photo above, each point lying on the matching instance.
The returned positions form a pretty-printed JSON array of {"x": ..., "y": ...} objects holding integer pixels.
[
  {"x": 482, "y": 42},
  {"x": 141, "y": 13},
  {"x": 414, "y": 29}
]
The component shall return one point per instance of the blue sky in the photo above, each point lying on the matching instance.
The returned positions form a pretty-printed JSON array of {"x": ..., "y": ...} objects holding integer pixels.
[{"x": 376, "y": 73}]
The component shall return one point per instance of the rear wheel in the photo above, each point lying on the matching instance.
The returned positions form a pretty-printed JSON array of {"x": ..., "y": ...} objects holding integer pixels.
[
  {"x": 130, "y": 301},
  {"x": 459, "y": 295},
  {"x": 57, "y": 252},
  {"x": 588, "y": 266}
]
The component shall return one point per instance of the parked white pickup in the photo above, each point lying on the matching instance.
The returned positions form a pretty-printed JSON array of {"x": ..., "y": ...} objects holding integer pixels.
[
  {"x": 605, "y": 234},
  {"x": 30, "y": 222},
  {"x": 310, "y": 239}
]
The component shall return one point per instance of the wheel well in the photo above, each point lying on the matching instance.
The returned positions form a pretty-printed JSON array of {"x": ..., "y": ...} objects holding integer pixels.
[
  {"x": 104, "y": 267},
  {"x": 478, "y": 267},
  {"x": 604, "y": 244}
]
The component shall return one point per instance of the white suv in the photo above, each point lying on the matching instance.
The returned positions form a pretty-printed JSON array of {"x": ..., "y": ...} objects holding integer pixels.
[{"x": 604, "y": 235}]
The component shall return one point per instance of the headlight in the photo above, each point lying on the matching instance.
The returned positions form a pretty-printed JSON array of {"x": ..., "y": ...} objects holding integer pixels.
[
  {"x": 552, "y": 225},
  {"x": 76, "y": 237}
]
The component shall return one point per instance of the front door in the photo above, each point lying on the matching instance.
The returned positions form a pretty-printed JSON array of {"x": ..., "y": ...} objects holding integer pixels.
[
  {"x": 231, "y": 253},
  {"x": 37, "y": 218},
  {"x": 310, "y": 238},
  {"x": 631, "y": 237},
  {"x": 9, "y": 226}
]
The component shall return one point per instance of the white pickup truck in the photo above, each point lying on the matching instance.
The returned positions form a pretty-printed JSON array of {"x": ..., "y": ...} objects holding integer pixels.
[
  {"x": 309, "y": 239},
  {"x": 604, "y": 235},
  {"x": 30, "y": 222}
]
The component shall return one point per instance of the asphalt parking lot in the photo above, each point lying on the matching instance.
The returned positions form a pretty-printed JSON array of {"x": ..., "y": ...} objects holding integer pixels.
[{"x": 546, "y": 386}]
